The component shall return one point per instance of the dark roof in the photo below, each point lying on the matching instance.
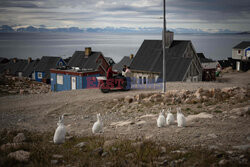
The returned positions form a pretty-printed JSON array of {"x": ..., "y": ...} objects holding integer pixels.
[
  {"x": 201, "y": 55},
  {"x": 203, "y": 59},
  {"x": 124, "y": 61},
  {"x": 80, "y": 60},
  {"x": 149, "y": 58},
  {"x": 46, "y": 63},
  {"x": 29, "y": 68},
  {"x": 242, "y": 45},
  {"x": 109, "y": 60},
  {"x": 16, "y": 67}
]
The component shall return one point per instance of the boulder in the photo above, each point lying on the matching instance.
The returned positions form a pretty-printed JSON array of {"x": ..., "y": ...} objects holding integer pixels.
[
  {"x": 19, "y": 138},
  {"x": 107, "y": 144},
  {"x": 7, "y": 146},
  {"x": 22, "y": 156},
  {"x": 128, "y": 99}
]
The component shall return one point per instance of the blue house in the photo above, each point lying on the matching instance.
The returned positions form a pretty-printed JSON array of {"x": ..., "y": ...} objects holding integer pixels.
[
  {"x": 72, "y": 79},
  {"x": 42, "y": 69}
]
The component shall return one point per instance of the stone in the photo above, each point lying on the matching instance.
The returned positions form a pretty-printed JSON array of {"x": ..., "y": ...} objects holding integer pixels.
[
  {"x": 107, "y": 144},
  {"x": 128, "y": 99},
  {"x": 248, "y": 138},
  {"x": 8, "y": 146},
  {"x": 104, "y": 154},
  {"x": 137, "y": 144},
  {"x": 212, "y": 135},
  {"x": 20, "y": 137},
  {"x": 57, "y": 156},
  {"x": 179, "y": 152},
  {"x": 164, "y": 163},
  {"x": 242, "y": 147},
  {"x": 223, "y": 162},
  {"x": 240, "y": 111},
  {"x": 98, "y": 151},
  {"x": 163, "y": 150},
  {"x": 81, "y": 145},
  {"x": 21, "y": 155},
  {"x": 130, "y": 155},
  {"x": 213, "y": 147},
  {"x": 53, "y": 162},
  {"x": 197, "y": 94},
  {"x": 69, "y": 137},
  {"x": 139, "y": 97},
  {"x": 115, "y": 100}
]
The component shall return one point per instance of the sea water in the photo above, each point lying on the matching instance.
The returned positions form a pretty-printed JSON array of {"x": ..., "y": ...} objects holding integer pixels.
[{"x": 114, "y": 45}]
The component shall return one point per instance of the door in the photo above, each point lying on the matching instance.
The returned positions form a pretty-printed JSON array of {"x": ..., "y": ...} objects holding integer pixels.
[
  {"x": 73, "y": 83},
  {"x": 238, "y": 66}
]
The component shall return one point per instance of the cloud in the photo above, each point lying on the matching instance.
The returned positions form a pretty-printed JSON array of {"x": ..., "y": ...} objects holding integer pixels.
[{"x": 132, "y": 13}]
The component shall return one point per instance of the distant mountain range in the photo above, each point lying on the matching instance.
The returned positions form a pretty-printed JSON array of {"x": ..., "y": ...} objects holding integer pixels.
[{"x": 6, "y": 28}]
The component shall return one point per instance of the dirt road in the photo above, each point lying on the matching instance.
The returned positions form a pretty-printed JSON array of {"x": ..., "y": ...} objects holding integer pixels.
[{"x": 135, "y": 120}]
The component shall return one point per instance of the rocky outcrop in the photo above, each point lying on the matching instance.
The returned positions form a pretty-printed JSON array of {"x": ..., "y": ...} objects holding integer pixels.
[{"x": 13, "y": 85}]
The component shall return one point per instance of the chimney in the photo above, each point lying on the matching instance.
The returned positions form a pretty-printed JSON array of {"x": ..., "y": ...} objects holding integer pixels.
[
  {"x": 29, "y": 59},
  {"x": 87, "y": 52},
  {"x": 14, "y": 60},
  {"x": 131, "y": 56},
  {"x": 169, "y": 36}
]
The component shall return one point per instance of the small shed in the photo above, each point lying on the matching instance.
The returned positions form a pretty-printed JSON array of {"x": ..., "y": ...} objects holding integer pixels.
[{"x": 72, "y": 79}]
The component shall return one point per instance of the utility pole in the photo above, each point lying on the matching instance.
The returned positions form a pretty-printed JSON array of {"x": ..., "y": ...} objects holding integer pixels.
[{"x": 163, "y": 47}]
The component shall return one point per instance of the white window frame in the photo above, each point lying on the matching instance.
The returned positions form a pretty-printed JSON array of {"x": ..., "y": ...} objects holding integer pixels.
[
  {"x": 39, "y": 75},
  {"x": 59, "y": 79}
]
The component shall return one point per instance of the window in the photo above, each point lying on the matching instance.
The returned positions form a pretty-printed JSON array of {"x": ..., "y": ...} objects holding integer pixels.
[
  {"x": 144, "y": 80},
  {"x": 239, "y": 52},
  {"x": 60, "y": 64},
  {"x": 39, "y": 75},
  {"x": 140, "y": 80},
  {"x": 59, "y": 79}
]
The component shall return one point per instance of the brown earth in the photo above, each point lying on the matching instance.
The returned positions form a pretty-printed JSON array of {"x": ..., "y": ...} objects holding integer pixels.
[{"x": 136, "y": 120}]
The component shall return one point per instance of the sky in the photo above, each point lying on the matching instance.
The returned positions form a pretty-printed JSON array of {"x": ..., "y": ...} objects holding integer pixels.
[{"x": 196, "y": 14}]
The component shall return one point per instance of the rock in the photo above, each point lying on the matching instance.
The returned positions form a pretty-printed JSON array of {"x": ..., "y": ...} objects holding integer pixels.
[
  {"x": 128, "y": 99},
  {"x": 163, "y": 150},
  {"x": 8, "y": 146},
  {"x": 20, "y": 137},
  {"x": 81, "y": 145},
  {"x": 98, "y": 151},
  {"x": 164, "y": 163},
  {"x": 115, "y": 100},
  {"x": 130, "y": 155},
  {"x": 139, "y": 97},
  {"x": 242, "y": 147},
  {"x": 223, "y": 162},
  {"x": 240, "y": 111},
  {"x": 69, "y": 137},
  {"x": 22, "y": 156},
  {"x": 107, "y": 144},
  {"x": 197, "y": 94},
  {"x": 248, "y": 138},
  {"x": 53, "y": 162},
  {"x": 114, "y": 149},
  {"x": 137, "y": 144},
  {"x": 104, "y": 154},
  {"x": 212, "y": 135},
  {"x": 213, "y": 147},
  {"x": 179, "y": 152},
  {"x": 57, "y": 156}
]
